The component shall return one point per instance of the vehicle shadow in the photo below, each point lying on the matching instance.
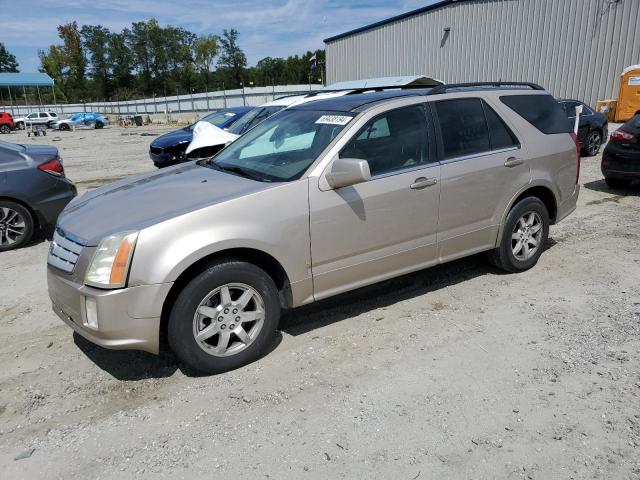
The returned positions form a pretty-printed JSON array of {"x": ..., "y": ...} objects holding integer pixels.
[
  {"x": 601, "y": 186},
  {"x": 347, "y": 305},
  {"x": 128, "y": 364}
]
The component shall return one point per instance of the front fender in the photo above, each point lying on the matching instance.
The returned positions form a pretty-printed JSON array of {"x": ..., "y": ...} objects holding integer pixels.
[{"x": 274, "y": 221}]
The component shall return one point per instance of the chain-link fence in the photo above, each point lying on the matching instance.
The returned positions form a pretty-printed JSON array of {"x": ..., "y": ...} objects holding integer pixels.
[{"x": 172, "y": 108}]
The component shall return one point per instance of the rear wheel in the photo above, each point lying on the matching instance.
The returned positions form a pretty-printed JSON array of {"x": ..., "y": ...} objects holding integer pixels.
[
  {"x": 99, "y": 125},
  {"x": 224, "y": 318},
  {"x": 617, "y": 182},
  {"x": 5, "y": 129},
  {"x": 594, "y": 141},
  {"x": 16, "y": 225},
  {"x": 523, "y": 238}
]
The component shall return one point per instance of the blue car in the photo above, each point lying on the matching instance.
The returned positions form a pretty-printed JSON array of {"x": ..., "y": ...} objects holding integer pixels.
[
  {"x": 82, "y": 120},
  {"x": 169, "y": 149}
]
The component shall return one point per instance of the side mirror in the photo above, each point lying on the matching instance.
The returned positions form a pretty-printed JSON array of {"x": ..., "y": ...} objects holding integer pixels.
[{"x": 348, "y": 171}]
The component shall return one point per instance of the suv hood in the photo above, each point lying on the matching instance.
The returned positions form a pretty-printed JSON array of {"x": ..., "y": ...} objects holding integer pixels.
[{"x": 144, "y": 200}]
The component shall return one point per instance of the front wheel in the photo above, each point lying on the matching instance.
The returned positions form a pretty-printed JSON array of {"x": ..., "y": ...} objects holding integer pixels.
[
  {"x": 20, "y": 126},
  {"x": 99, "y": 125},
  {"x": 524, "y": 236},
  {"x": 64, "y": 127},
  {"x": 224, "y": 318},
  {"x": 5, "y": 129}
]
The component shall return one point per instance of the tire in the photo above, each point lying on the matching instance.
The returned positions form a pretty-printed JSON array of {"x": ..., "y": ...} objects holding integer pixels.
[
  {"x": 16, "y": 225},
  {"x": 506, "y": 256},
  {"x": 5, "y": 129},
  {"x": 99, "y": 125},
  {"x": 205, "y": 295},
  {"x": 64, "y": 127},
  {"x": 20, "y": 126},
  {"x": 616, "y": 183},
  {"x": 593, "y": 143}
]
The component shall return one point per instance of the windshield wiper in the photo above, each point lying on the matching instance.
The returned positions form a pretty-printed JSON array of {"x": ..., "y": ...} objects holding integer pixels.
[{"x": 239, "y": 171}]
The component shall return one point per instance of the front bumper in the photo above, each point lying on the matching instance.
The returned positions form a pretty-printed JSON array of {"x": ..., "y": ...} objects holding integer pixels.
[{"x": 127, "y": 318}]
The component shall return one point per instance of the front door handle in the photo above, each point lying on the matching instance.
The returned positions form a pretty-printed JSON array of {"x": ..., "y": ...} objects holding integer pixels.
[
  {"x": 423, "y": 182},
  {"x": 513, "y": 162}
]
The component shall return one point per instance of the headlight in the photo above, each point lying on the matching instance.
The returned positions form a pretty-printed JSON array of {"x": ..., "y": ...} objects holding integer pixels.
[{"x": 110, "y": 264}]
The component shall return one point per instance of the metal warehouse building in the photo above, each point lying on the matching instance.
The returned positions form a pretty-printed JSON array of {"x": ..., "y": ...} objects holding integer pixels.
[{"x": 574, "y": 48}]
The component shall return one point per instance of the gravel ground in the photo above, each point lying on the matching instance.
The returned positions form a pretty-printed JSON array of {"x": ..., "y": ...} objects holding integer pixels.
[{"x": 455, "y": 372}]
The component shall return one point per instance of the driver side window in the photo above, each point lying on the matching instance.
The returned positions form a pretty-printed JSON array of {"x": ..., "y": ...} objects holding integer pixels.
[{"x": 393, "y": 141}]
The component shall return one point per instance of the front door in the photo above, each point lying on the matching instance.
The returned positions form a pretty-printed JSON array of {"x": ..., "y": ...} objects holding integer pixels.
[{"x": 384, "y": 227}]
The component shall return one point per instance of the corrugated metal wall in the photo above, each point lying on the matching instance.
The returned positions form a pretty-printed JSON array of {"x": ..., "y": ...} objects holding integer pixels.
[{"x": 574, "y": 48}]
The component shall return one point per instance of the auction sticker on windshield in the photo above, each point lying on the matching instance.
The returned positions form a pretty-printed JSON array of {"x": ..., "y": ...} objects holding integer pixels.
[{"x": 334, "y": 120}]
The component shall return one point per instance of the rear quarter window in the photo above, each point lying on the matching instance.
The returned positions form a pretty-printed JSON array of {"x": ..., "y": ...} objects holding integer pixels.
[{"x": 541, "y": 111}]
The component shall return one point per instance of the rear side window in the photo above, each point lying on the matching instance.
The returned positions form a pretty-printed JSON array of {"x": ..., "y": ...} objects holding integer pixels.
[
  {"x": 463, "y": 127},
  {"x": 500, "y": 136},
  {"x": 541, "y": 111}
]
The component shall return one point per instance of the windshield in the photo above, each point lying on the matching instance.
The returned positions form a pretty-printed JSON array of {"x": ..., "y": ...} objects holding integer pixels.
[
  {"x": 216, "y": 119},
  {"x": 16, "y": 147},
  {"x": 253, "y": 118},
  {"x": 281, "y": 148}
]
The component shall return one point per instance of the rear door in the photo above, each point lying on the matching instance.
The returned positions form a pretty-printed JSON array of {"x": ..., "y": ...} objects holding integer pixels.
[
  {"x": 384, "y": 227},
  {"x": 483, "y": 166}
]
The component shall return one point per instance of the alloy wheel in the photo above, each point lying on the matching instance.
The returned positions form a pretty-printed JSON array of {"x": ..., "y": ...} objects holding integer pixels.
[
  {"x": 228, "y": 319},
  {"x": 527, "y": 236},
  {"x": 12, "y": 226},
  {"x": 593, "y": 143}
]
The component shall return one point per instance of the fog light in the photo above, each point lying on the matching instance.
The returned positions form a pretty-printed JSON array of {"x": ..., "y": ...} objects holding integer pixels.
[{"x": 91, "y": 308}]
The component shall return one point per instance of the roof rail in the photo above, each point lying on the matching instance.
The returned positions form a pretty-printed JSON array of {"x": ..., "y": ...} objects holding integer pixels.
[{"x": 479, "y": 85}]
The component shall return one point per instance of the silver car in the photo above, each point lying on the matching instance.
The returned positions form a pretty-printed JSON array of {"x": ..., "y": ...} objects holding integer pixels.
[{"x": 317, "y": 200}]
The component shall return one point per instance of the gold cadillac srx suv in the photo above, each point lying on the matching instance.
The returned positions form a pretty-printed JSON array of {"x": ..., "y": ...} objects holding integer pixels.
[{"x": 321, "y": 198}]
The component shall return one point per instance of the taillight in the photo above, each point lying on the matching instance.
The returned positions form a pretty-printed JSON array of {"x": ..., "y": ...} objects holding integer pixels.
[
  {"x": 53, "y": 167},
  {"x": 577, "y": 142},
  {"x": 621, "y": 136}
]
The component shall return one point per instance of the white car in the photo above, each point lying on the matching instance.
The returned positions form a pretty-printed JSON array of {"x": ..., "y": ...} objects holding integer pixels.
[
  {"x": 209, "y": 140},
  {"x": 36, "y": 118}
]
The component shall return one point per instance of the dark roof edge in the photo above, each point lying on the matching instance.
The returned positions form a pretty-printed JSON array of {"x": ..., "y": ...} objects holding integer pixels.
[{"x": 402, "y": 16}]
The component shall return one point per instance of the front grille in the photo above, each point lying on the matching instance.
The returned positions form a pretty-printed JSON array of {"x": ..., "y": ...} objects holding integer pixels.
[
  {"x": 64, "y": 252},
  {"x": 156, "y": 150}
]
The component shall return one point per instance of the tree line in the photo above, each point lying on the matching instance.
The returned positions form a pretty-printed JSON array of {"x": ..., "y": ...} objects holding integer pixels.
[{"x": 92, "y": 63}]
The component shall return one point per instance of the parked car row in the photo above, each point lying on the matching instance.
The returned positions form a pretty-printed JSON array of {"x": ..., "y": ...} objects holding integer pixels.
[
  {"x": 369, "y": 184},
  {"x": 51, "y": 120}
]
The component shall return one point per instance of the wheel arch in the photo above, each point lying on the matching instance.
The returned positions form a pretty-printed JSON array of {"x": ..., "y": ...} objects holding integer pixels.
[
  {"x": 259, "y": 258},
  {"x": 540, "y": 191}
]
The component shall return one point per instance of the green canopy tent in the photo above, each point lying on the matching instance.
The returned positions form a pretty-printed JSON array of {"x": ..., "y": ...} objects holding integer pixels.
[{"x": 23, "y": 80}]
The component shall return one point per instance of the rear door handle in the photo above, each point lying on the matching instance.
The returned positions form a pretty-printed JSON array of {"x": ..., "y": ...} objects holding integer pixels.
[
  {"x": 423, "y": 182},
  {"x": 513, "y": 162}
]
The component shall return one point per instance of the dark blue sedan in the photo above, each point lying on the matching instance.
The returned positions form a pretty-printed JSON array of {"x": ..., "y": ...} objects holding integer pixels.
[{"x": 168, "y": 149}]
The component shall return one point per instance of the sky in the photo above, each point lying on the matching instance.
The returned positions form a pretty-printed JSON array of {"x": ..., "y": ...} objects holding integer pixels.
[{"x": 276, "y": 28}]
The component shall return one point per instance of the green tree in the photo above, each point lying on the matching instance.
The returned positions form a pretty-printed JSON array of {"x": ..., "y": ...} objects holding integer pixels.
[
  {"x": 8, "y": 61},
  {"x": 74, "y": 59},
  {"x": 121, "y": 62},
  {"x": 231, "y": 55},
  {"x": 205, "y": 51},
  {"x": 96, "y": 43}
]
